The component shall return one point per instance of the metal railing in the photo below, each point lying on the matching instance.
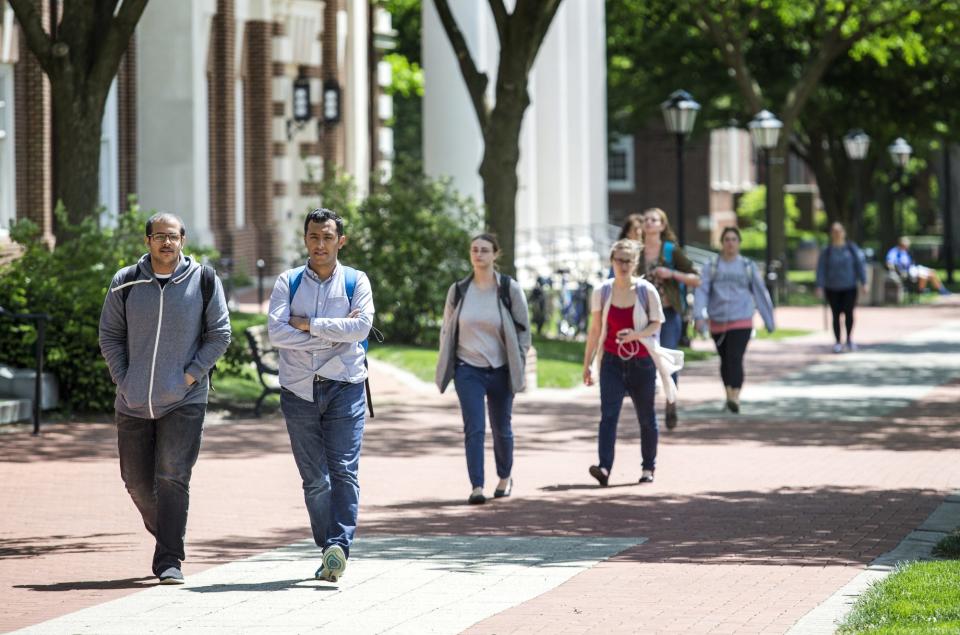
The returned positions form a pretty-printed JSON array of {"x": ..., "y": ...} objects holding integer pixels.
[{"x": 41, "y": 320}]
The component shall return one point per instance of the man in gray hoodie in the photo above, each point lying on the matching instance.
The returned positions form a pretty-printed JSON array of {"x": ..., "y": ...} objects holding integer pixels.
[{"x": 163, "y": 326}]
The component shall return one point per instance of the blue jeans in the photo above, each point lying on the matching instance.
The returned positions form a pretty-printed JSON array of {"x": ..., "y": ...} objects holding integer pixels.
[
  {"x": 156, "y": 460},
  {"x": 670, "y": 332},
  {"x": 472, "y": 385},
  {"x": 325, "y": 436},
  {"x": 638, "y": 378}
]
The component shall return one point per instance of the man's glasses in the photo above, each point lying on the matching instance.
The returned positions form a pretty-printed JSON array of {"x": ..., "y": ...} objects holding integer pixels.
[
  {"x": 624, "y": 261},
  {"x": 162, "y": 238}
]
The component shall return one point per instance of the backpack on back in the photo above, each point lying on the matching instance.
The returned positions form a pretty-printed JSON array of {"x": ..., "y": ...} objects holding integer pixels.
[
  {"x": 350, "y": 285},
  {"x": 503, "y": 293},
  {"x": 208, "y": 285}
]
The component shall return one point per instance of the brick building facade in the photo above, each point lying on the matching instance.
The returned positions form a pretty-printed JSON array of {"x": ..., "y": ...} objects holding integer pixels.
[{"x": 200, "y": 119}]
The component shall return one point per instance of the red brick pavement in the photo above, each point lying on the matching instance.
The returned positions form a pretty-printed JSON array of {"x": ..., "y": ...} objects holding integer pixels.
[{"x": 750, "y": 524}]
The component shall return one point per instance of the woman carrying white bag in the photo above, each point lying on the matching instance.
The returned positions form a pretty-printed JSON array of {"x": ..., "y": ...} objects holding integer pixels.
[{"x": 625, "y": 322}]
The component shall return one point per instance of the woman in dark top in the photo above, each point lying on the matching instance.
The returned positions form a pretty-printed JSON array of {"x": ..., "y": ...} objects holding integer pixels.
[
  {"x": 664, "y": 263},
  {"x": 840, "y": 270}
]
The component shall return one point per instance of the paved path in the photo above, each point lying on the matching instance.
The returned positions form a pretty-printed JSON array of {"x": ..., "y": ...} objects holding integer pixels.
[{"x": 752, "y": 523}]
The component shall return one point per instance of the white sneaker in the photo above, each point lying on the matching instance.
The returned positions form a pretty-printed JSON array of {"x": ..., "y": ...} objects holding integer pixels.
[
  {"x": 852, "y": 347},
  {"x": 334, "y": 563},
  {"x": 838, "y": 348}
]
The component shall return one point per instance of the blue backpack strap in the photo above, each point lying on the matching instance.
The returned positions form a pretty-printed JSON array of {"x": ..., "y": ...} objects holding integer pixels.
[
  {"x": 350, "y": 285},
  {"x": 294, "y": 277},
  {"x": 642, "y": 297},
  {"x": 668, "y": 253}
]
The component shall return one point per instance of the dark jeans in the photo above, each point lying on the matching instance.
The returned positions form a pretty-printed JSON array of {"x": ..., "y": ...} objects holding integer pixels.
[
  {"x": 156, "y": 459},
  {"x": 618, "y": 377},
  {"x": 842, "y": 301},
  {"x": 732, "y": 346},
  {"x": 670, "y": 332},
  {"x": 472, "y": 385},
  {"x": 325, "y": 436}
]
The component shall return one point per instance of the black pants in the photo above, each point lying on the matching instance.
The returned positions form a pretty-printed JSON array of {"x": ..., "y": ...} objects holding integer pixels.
[
  {"x": 156, "y": 459},
  {"x": 732, "y": 346},
  {"x": 842, "y": 301}
]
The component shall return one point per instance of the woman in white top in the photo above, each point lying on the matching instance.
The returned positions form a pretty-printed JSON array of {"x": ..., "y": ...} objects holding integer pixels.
[
  {"x": 626, "y": 317},
  {"x": 483, "y": 347}
]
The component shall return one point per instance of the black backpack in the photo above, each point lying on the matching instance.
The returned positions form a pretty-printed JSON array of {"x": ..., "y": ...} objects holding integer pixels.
[
  {"x": 208, "y": 285},
  {"x": 460, "y": 288}
]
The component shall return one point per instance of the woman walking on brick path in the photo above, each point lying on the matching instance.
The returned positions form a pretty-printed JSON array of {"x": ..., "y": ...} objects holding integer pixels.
[
  {"x": 731, "y": 290},
  {"x": 664, "y": 263},
  {"x": 483, "y": 348},
  {"x": 626, "y": 316},
  {"x": 840, "y": 268}
]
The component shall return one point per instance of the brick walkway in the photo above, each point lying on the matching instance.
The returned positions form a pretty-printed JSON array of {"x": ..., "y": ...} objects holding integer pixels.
[{"x": 752, "y": 522}]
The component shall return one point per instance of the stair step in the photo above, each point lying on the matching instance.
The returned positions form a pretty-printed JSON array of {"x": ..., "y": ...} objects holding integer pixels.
[
  {"x": 12, "y": 410},
  {"x": 20, "y": 383}
]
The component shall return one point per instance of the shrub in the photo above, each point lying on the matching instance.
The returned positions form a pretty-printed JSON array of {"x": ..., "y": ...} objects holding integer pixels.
[
  {"x": 69, "y": 283},
  {"x": 411, "y": 236}
]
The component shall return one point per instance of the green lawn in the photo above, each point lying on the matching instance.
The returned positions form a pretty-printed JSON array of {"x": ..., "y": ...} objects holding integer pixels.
[
  {"x": 921, "y": 598},
  {"x": 781, "y": 334}
]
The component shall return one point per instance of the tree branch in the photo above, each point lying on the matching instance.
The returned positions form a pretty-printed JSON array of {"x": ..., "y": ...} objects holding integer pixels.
[
  {"x": 500, "y": 17},
  {"x": 729, "y": 46},
  {"x": 116, "y": 41},
  {"x": 475, "y": 80},
  {"x": 37, "y": 39},
  {"x": 546, "y": 10}
]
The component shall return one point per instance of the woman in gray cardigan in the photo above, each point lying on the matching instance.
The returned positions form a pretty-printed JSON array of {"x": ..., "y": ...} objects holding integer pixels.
[{"x": 483, "y": 348}]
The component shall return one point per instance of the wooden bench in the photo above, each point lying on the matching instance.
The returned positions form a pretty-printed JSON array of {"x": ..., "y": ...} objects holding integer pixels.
[{"x": 267, "y": 361}]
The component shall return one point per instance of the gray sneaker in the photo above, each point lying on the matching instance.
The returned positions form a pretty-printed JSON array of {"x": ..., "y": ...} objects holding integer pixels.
[{"x": 171, "y": 575}]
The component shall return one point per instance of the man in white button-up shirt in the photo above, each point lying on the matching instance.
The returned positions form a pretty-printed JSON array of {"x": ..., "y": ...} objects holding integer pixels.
[{"x": 319, "y": 316}]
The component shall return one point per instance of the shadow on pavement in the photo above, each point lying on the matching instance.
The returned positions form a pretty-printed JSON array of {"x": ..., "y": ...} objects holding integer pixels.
[
  {"x": 92, "y": 585},
  {"x": 787, "y": 526},
  {"x": 32, "y": 547},
  {"x": 259, "y": 587}
]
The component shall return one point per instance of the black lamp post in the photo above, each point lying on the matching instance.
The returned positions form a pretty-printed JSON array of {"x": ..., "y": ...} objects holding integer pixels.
[
  {"x": 900, "y": 152},
  {"x": 302, "y": 110},
  {"x": 857, "y": 144},
  {"x": 680, "y": 113},
  {"x": 948, "y": 211},
  {"x": 765, "y": 131}
]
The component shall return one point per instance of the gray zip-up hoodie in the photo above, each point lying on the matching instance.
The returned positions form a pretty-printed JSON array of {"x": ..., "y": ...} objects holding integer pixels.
[{"x": 155, "y": 339}]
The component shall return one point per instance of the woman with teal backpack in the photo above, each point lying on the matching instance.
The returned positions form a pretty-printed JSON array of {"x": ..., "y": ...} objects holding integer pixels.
[{"x": 664, "y": 263}]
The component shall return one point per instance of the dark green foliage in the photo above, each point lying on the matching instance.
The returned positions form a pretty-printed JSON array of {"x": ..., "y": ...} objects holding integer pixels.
[
  {"x": 948, "y": 546},
  {"x": 238, "y": 353},
  {"x": 69, "y": 283},
  {"x": 411, "y": 236}
]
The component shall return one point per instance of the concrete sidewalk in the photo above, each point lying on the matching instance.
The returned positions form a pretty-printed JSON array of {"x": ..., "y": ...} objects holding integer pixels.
[{"x": 753, "y": 520}]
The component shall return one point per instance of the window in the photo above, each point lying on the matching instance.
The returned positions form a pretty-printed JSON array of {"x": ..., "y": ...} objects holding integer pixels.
[
  {"x": 620, "y": 171},
  {"x": 8, "y": 200}
]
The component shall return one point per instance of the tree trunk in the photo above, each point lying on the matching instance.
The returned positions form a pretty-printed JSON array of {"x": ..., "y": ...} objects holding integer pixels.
[
  {"x": 78, "y": 119},
  {"x": 501, "y": 155}
]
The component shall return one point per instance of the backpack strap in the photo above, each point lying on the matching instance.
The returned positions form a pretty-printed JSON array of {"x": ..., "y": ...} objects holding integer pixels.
[
  {"x": 460, "y": 289},
  {"x": 350, "y": 276},
  {"x": 642, "y": 298},
  {"x": 295, "y": 277},
  {"x": 133, "y": 272},
  {"x": 504, "y": 293},
  {"x": 208, "y": 284},
  {"x": 668, "y": 253}
]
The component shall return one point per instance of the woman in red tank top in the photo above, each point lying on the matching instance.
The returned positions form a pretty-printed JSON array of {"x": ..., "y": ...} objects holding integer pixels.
[{"x": 619, "y": 307}]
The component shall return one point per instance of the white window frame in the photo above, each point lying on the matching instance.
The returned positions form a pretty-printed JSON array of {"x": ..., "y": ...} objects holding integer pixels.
[
  {"x": 623, "y": 144},
  {"x": 8, "y": 175}
]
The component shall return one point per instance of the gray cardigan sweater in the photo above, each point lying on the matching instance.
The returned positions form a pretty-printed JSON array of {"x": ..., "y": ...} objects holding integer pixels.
[
  {"x": 149, "y": 344},
  {"x": 517, "y": 344}
]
